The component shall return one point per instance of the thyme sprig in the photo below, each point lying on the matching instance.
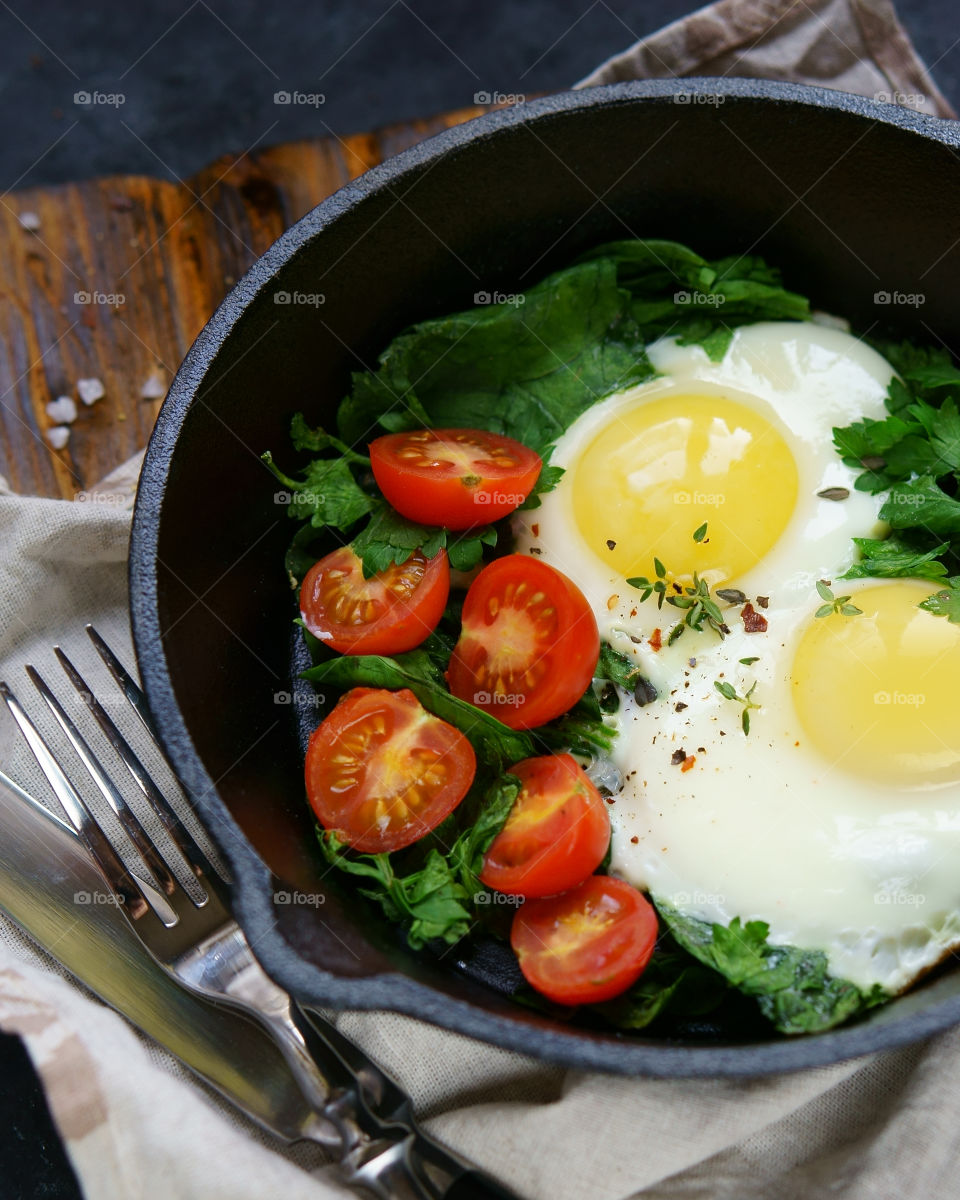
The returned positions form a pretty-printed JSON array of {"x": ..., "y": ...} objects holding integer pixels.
[
  {"x": 698, "y": 606},
  {"x": 839, "y": 605},
  {"x": 729, "y": 692}
]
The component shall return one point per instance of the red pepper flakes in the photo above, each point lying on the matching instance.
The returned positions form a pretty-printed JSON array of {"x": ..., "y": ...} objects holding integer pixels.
[
  {"x": 655, "y": 640},
  {"x": 753, "y": 622},
  {"x": 535, "y": 530},
  {"x": 688, "y": 762},
  {"x": 635, "y": 840}
]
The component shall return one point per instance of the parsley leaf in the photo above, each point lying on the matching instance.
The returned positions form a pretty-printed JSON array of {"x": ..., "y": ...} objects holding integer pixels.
[
  {"x": 944, "y": 604},
  {"x": 326, "y": 494},
  {"x": 890, "y": 558},
  {"x": 429, "y": 903},
  {"x": 921, "y": 502},
  {"x": 438, "y": 899},
  {"x": 793, "y": 987}
]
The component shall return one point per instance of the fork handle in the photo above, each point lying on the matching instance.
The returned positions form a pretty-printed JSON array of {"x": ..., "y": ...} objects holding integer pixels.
[{"x": 394, "y": 1160}]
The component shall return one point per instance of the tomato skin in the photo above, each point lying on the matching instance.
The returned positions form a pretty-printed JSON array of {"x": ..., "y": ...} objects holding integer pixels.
[
  {"x": 522, "y": 659},
  {"x": 409, "y": 601},
  {"x": 556, "y": 835},
  {"x": 586, "y": 945},
  {"x": 453, "y": 477},
  {"x": 381, "y": 771}
]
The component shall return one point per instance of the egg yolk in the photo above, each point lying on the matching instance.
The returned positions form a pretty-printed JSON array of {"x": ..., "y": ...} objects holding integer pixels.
[
  {"x": 876, "y": 693},
  {"x": 657, "y": 471}
]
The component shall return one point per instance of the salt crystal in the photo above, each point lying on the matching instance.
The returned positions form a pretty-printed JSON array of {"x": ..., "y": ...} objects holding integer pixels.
[
  {"x": 29, "y": 221},
  {"x": 62, "y": 410},
  {"x": 90, "y": 390},
  {"x": 58, "y": 436},
  {"x": 153, "y": 389}
]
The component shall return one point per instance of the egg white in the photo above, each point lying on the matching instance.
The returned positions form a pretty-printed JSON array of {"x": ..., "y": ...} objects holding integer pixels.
[{"x": 761, "y": 826}]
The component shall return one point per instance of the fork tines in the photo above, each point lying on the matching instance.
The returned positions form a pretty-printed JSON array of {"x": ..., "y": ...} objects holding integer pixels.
[{"x": 136, "y": 892}]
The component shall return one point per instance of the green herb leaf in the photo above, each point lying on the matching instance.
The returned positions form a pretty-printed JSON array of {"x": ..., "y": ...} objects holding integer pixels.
[
  {"x": 496, "y": 745},
  {"x": 921, "y": 502},
  {"x": 891, "y": 558},
  {"x": 700, "y": 533},
  {"x": 944, "y": 604},
  {"x": 526, "y": 369},
  {"x": 616, "y": 667},
  {"x": 792, "y": 986}
]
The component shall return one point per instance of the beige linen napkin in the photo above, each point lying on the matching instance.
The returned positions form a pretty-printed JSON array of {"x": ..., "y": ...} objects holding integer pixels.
[{"x": 136, "y": 1124}]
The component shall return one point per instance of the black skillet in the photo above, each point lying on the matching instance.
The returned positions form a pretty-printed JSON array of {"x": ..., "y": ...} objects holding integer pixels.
[{"x": 850, "y": 198}]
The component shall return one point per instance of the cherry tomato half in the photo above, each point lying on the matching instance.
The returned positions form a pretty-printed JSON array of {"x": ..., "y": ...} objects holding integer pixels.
[
  {"x": 381, "y": 771},
  {"x": 453, "y": 477},
  {"x": 391, "y": 612},
  {"x": 556, "y": 834},
  {"x": 587, "y": 945},
  {"x": 529, "y": 643}
]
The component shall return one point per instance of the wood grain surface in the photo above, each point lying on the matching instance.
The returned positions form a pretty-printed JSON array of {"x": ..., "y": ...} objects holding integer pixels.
[{"x": 120, "y": 276}]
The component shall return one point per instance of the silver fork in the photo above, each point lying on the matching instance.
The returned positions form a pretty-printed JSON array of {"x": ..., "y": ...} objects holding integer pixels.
[{"x": 360, "y": 1113}]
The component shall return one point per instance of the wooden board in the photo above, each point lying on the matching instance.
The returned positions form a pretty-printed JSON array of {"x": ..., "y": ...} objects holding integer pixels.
[{"x": 119, "y": 278}]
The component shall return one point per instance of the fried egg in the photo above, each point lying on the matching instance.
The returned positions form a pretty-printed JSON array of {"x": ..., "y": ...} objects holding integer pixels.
[{"x": 836, "y": 818}]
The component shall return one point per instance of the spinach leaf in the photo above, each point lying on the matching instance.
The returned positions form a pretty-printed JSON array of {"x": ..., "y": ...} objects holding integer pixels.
[
  {"x": 496, "y": 746},
  {"x": 673, "y": 980},
  {"x": 524, "y": 369}
]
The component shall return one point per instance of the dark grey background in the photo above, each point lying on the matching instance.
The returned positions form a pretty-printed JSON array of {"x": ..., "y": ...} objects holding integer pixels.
[{"x": 199, "y": 76}]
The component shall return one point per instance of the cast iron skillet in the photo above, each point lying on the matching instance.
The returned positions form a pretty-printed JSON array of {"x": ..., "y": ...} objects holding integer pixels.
[{"x": 851, "y": 198}]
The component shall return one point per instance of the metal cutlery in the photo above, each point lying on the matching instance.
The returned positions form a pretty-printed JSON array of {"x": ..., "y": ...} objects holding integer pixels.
[{"x": 357, "y": 1111}]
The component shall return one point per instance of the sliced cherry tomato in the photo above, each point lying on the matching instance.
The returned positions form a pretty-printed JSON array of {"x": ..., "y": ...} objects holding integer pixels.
[
  {"x": 381, "y": 771},
  {"x": 529, "y": 643},
  {"x": 453, "y": 477},
  {"x": 391, "y": 612},
  {"x": 556, "y": 834},
  {"x": 587, "y": 945}
]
